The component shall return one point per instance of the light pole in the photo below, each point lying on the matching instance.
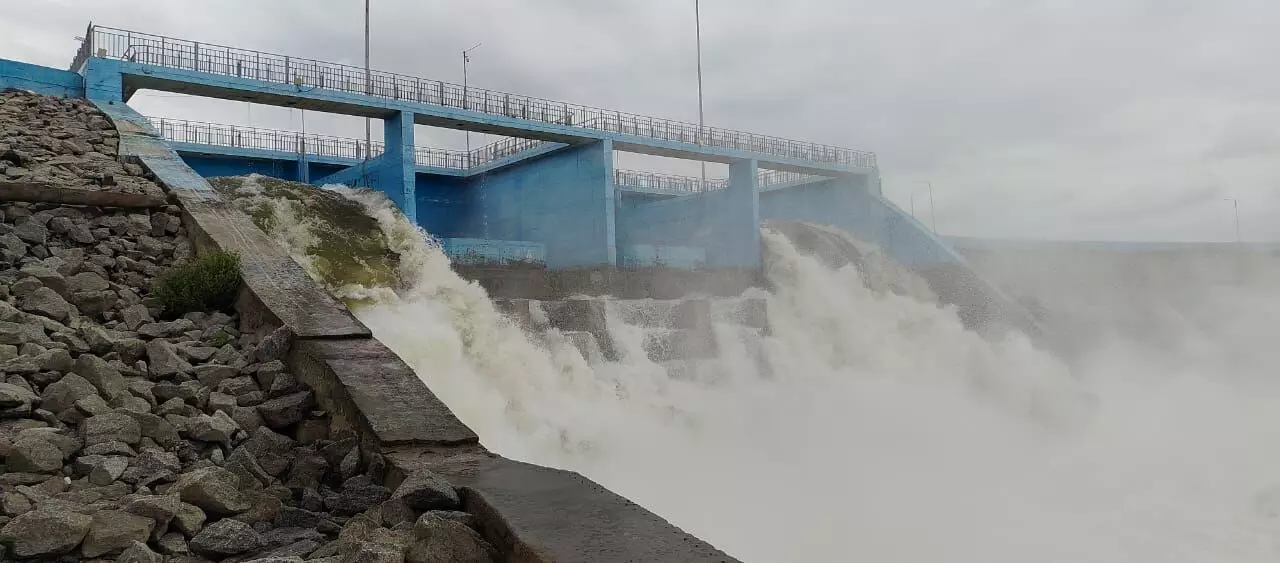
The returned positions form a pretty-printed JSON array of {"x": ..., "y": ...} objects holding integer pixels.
[
  {"x": 368, "y": 134},
  {"x": 697, "y": 26},
  {"x": 933, "y": 217},
  {"x": 1235, "y": 205},
  {"x": 466, "y": 103}
]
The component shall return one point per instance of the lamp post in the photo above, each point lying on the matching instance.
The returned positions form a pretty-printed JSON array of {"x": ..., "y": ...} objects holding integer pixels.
[
  {"x": 1235, "y": 205},
  {"x": 466, "y": 103},
  {"x": 368, "y": 132},
  {"x": 933, "y": 217},
  {"x": 697, "y": 26}
]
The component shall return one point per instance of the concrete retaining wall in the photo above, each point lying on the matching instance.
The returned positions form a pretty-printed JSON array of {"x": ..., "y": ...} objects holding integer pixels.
[
  {"x": 530, "y": 513},
  {"x": 39, "y": 79}
]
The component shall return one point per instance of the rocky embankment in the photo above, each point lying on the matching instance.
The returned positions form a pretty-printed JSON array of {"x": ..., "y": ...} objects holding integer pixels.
[{"x": 127, "y": 435}]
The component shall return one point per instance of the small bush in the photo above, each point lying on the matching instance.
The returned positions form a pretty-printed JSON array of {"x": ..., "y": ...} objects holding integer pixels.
[{"x": 208, "y": 283}]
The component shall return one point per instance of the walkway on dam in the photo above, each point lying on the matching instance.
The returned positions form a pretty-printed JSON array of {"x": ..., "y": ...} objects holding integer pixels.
[
  {"x": 235, "y": 141},
  {"x": 146, "y": 61}
]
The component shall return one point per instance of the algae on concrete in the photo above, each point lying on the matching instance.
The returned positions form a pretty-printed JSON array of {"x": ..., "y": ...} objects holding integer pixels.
[{"x": 344, "y": 245}]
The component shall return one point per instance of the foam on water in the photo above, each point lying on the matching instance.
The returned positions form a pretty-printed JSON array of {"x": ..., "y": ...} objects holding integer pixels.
[{"x": 880, "y": 430}]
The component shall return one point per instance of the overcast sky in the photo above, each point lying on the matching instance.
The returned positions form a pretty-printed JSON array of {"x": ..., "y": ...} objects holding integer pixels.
[{"x": 1086, "y": 119}]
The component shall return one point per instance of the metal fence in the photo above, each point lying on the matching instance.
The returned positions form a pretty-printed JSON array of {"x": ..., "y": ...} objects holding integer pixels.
[
  {"x": 667, "y": 183},
  {"x": 229, "y": 61}
]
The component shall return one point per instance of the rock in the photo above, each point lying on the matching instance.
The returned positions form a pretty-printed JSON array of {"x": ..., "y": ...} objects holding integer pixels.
[
  {"x": 48, "y": 277},
  {"x": 86, "y": 281},
  {"x": 273, "y": 451},
  {"x": 396, "y": 511},
  {"x": 63, "y": 394},
  {"x": 285, "y": 411},
  {"x": 424, "y": 490},
  {"x": 110, "y": 448},
  {"x": 108, "y": 470},
  {"x": 156, "y": 428},
  {"x": 161, "y": 509},
  {"x": 152, "y": 466},
  {"x": 358, "y": 494},
  {"x": 31, "y": 232},
  {"x": 189, "y": 520},
  {"x": 135, "y": 316},
  {"x": 216, "y": 428},
  {"x": 102, "y": 375},
  {"x": 214, "y": 490},
  {"x": 15, "y": 399},
  {"x": 439, "y": 540},
  {"x": 16, "y": 504},
  {"x": 224, "y": 538},
  {"x": 93, "y": 303},
  {"x": 277, "y": 559},
  {"x": 47, "y": 303},
  {"x": 174, "y": 543},
  {"x": 33, "y": 454},
  {"x": 263, "y": 507},
  {"x": 167, "y": 330},
  {"x": 112, "y": 531},
  {"x": 138, "y": 552},
  {"x": 198, "y": 353},
  {"x": 246, "y": 417},
  {"x": 245, "y": 465},
  {"x": 210, "y": 375},
  {"x": 163, "y": 360},
  {"x": 92, "y": 405},
  {"x": 221, "y": 402},
  {"x": 312, "y": 430},
  {"x": 111, "y": 427},
  {"x": 307, "y": 472},
  {"x": 274, "y": 347},
  {"x": 45, "y": 532},
  {"x": 291, "y": 517}
]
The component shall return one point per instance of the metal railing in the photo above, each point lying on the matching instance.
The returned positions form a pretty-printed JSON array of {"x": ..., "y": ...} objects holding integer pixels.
[
  {"x": 308, "y": 73},
  {"x": 667, "y": 183},
  {"x": 196, "y": 132}
]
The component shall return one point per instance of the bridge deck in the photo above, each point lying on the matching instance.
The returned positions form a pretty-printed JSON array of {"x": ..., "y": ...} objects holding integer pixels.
[
  {"x": 155, "y": 62},
  {"x": 254, "y": 142}
]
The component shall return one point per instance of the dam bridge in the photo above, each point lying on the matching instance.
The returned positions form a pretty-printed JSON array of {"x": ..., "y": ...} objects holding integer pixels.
[{"x": 550, "y": 190}]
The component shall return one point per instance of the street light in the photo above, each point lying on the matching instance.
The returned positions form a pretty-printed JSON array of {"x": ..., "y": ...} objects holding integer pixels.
[
  {"x": 368, "y": 134},
  {"x": 466, "y": 104},
  {"x": 697, "y": 26},
  {"x": 1235, "y": 204},
  {"x": 933, "y": 217}
]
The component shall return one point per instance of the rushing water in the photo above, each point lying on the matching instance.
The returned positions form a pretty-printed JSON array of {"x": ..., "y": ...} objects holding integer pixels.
[{"x": 881, "y": 429}]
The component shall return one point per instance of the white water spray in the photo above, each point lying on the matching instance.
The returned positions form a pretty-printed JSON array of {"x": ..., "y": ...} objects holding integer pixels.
[{"x": 882, "y": 430}]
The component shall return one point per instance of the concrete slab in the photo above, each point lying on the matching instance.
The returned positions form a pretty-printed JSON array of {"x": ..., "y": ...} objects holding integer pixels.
[
  {"x": 539, "y": 514},
  {"x": 78, "y": 195},
  {"x": 368, "y": 388}
]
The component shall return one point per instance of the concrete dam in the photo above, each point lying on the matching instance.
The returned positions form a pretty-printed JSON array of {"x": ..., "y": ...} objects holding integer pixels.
[{"x": 524, "y": 353}]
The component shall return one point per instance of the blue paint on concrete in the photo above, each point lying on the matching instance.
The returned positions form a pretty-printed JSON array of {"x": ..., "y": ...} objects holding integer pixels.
[
  {"x": 212, "y": 166},
  {"x": 396, "y": 165},
  {"x": 563, "y": 200},
  {"x": 139, "y": 140},
  {"x": 726, "y": 222},
  {"x": 40, "y": 79},
  {"x": 103, "y": 81},
  {"x": 444, "y": 206}
]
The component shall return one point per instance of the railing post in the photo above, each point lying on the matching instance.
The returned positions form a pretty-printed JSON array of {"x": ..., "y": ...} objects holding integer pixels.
[
  {"x": 286, "y": 70},
  {"x": 195, "y": 62}
]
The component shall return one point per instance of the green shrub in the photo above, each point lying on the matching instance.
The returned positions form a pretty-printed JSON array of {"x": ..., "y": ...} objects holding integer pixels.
[{"x": 208, "y": 283}]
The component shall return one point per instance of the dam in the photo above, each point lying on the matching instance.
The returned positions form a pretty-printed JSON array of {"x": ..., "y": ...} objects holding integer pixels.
[{"x": 525, "y": 353}]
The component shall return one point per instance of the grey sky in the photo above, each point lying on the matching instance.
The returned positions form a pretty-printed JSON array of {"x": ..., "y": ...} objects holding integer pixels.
[{"x": 1124, "y": 119}]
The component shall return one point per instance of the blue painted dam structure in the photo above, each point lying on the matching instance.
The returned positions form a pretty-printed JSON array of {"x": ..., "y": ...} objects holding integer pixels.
[{"x": 549, "y": 192}]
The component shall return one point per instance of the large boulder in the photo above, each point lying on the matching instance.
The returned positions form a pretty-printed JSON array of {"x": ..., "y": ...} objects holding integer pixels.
[
  {"x": 102, "y": 375},
  {"x": 63, "y": 394},
  {"x": 424, "y": 490},
  {"x": 32, "y": 453},
  {"x": 163, "y": 360},
  {"x": 45, "y": 532}
]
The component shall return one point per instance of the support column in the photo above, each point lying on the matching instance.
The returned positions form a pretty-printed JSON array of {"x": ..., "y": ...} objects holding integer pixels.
[
  {"x": 103, "y": 81},
  {"x": 396, "y": 174},
  {"x": 739, "y": 220}
]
